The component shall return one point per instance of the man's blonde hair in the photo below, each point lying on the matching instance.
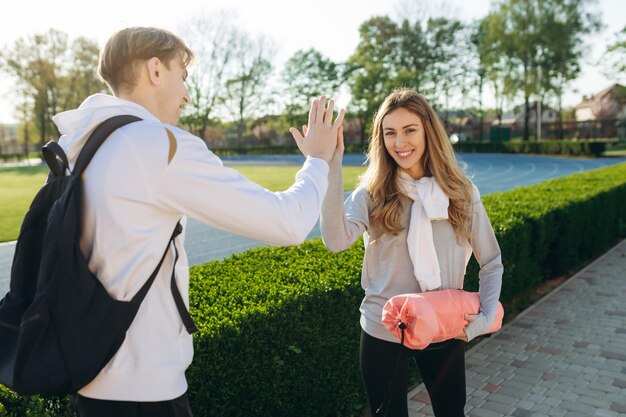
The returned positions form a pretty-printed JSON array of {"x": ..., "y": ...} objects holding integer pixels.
[{"x": 128, "y": 48}]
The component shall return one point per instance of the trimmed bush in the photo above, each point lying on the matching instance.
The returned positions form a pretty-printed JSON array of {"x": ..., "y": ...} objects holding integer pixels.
[
  {"x": 275, "y": 150},
  {"x": 17, "y": 157},
  {"x": 553, "y": 228},
  {"x": 12, "y": 405},
  {"x": 256, "y": 150},
  {"x": 279, "y": 328},
  {"x": 547, "y": 147},
  {"x": 278, "y": 333}
]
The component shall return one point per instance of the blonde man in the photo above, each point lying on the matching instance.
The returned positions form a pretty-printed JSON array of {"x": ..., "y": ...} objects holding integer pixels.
[{"x": 141, "y": 182}]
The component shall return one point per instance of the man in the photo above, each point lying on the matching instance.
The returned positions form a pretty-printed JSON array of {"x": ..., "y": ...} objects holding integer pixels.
[{"x": 146, "y": 177}]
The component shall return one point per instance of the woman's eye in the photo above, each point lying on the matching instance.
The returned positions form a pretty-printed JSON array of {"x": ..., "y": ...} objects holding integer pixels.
[
  {"x": 390, "y": 133},
  {"x": 409, "y": 131}
]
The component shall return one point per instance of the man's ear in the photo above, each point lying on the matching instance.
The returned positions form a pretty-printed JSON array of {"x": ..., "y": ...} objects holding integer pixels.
[{"x": 154, "y": 70}]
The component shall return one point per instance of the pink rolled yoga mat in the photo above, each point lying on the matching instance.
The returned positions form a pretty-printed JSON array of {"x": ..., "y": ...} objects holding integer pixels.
[{"x": 433, "y": 316}]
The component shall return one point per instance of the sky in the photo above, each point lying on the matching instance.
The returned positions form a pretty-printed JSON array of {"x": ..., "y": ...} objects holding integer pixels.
[{"x": 330, "y": 26}]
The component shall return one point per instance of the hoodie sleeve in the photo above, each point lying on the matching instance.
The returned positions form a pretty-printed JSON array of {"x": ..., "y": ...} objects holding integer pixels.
[
  {"x": 197, "y": 184},
  {"x": 487, "y": 253},
  {"x": 342, "y": 223}
]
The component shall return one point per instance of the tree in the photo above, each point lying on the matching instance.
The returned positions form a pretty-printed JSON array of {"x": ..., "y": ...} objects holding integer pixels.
[
  {"x": 434, "y": 47},
  {"x": 425, "y": 54},
  {"x": 614, "y": 59},
  {"x": 520, "y": 41},
  {"x": 545, "y": 34},
  {"x": 245, "y": 90},
  {"x": 477, "y": 38},
  {"x": 25, "y": 110},
  {"x": 2, "y": 136},
  {"x": 308, "y": 74},
  {"x": 35, "y": 63},
  {"x": 51, "y": 76},
  {"x": 566, "y": 26},
  {"x": 489, "y": 39},
  {"x": 414, "y": 56},
  {"x": 371, "y": 69},
  {"x": 213, "y": 39},
  {"x": 81, "y": 80},
  {"x": 446, "y": 43}
]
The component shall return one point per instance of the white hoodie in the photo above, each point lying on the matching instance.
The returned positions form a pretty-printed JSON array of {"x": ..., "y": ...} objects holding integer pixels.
[{"x": 133, "y": 198}]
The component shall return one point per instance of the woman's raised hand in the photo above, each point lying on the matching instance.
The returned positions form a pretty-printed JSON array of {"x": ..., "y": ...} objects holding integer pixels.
[{"x": 321, "y": 136}]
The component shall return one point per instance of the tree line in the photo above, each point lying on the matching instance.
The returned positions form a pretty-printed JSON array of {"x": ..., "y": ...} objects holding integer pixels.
[
  {"x": 51, "y": 74},
  {"x": 523, "y": 49}
]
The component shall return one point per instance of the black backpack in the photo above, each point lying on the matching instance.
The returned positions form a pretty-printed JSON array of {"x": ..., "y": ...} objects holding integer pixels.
[{"x": 58, "y": 325}]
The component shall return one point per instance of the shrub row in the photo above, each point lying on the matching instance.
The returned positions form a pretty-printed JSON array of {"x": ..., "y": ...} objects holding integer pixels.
[
  {"x": 553, "y": 228},
  {"x": 12, "y": 405},
  {"x": 17, "y": 157},
  {"x": 548, "y": 147},
  {"x": 279, "y": 328},
  {"x": 274, "y": 150}
]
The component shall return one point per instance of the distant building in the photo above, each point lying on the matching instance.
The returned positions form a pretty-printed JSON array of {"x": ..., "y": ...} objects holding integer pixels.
[
  {"x": 8, "y": 139},
  {"x": 516, "y": 115},
  {"x": 463, "y": 123},
  {"x": 608, "y": 104}
]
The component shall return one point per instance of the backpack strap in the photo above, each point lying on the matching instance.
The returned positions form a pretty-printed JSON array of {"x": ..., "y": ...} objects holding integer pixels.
[
  {"x": 55, "y": 158},
  {"x": 190, "y": 326},
  {"x": 141, "y": 294},
  {"x": 97, "y": 138},
  {"x": 178, "y": 299}
]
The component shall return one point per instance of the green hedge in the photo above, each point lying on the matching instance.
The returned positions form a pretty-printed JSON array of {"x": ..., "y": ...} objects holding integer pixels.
[
  {"x": 278, "y": 332},
  {"x": 548, "y": 147},
  {"x": 274, "y": 150},
  {"x": 555, "y": 227},
  {"x": 279, "y": 327},
  {"x": 12, "y": 405},
  {"x": 256, "y": 150},
  {"x": 17, "y": 157}
]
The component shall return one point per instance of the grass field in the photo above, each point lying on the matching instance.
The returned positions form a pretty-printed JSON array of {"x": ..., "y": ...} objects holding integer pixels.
[
  {"x": 616, "y": 149},
  {"x": 277, "y": 178},
  {"x": 18, "y": 186}
]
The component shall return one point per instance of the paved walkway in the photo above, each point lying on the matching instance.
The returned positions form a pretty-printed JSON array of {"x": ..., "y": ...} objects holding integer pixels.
[{"x": 565, "y": 356}]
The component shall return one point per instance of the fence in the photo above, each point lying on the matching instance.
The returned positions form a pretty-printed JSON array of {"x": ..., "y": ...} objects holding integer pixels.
[
  {"x": 592, "y": 129},
  {"x": 269, "y": 139}
]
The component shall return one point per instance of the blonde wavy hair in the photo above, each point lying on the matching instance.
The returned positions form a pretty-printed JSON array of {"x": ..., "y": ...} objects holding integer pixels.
[{"x": 439, "y": 162}]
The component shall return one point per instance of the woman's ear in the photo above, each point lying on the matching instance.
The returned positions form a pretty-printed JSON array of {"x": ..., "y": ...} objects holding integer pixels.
[{"x": 154, "y": 67}]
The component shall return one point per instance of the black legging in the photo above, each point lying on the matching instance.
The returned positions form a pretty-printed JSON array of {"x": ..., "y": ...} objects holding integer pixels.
[
  {"x": 88, "y": 407},
  {"x": 384, "y": 368}
]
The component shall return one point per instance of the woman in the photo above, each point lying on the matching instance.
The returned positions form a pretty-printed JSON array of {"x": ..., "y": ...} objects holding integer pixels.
[{"x": 421, "y": 219}]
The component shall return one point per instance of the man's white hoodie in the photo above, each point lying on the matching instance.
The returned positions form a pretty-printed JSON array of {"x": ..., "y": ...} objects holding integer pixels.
[{"x": 137, "y": 186}]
